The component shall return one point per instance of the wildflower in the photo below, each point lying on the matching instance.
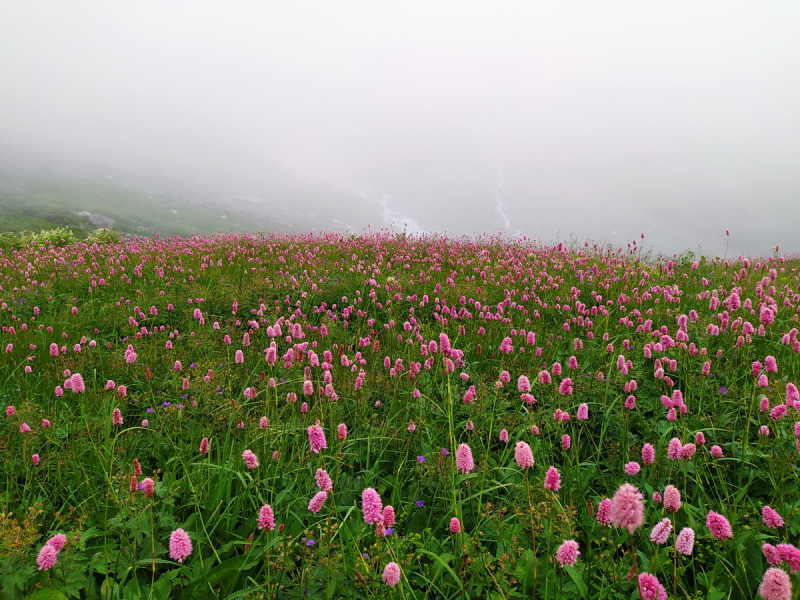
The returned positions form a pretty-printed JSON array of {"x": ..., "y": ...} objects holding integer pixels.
[
  {"x": 266, "y": 518},
  {"x": 523, "y": 455},
  {"x": 674, "y": 449},
  {"x": 180, "y": 546},
  {"x": 315, "y": 505},
  {"x": 776, "y": 585},
  {"x": 627, "y": 508},
  {"x": 323, "y": 480},
  {"x": 648, "y": 454},
  {"x": 583, "y": 412},
  {"x": 263, "y": 422},
  {"x": 552, "y": 479},
  {"x": 778, "y": 412},
  {"x": 57, "y": 541},
  {"x": 77, "y": 384},
  {"x": 391, "y": 574},
  {"x": 632, "y": 468},
  {"x": 342, "y": 431},
  {"x": 464, "y": 462},
  {"x": 684, "y": 543},
  {"x": 604, "y": 512},
  {"x": 661, "y": 531},
  {"x": 523, "y": 384},
  {"x": 566, "y": 441},
  {"x": 699, "y": 438},
  {"x": 565, "y": 387},
  {"x": 455, "y": 525},
  {"x": 716, "y": 451},
  {"x": 47, "y": 557},
  {"x": 568, "y": 553},
  {"x": 504, "y": 435},
  {"x": 772, "y": 554},
  {"x": 250, "y": 459},
  {"x": 316, "y": 438},
  {"x": 771, "y": 517},
  {"x": 35, "y": 460},
  {"x": 718, "y": 525},
  {"x": 412, "y": 427},
  {"x": 371, "y": 506},
  {"x": 116, "y": 417},
  {"x": 687, "y": 451},
  {"x": 672, "y": 498},
  {"x": 650, "y": 588},
  {"x": 388, "y": 516},
  {"x": 147, "y": 486},
  {"x": 790, "y": 555},
  {"x": 24, "y": 428}
]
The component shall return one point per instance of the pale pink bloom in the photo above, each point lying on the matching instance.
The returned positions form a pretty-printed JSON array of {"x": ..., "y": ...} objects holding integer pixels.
[
  {"x": 661, "y": 531},
  {"x": 776, "y": 585},
  {"x": 57, "y": 541},
  {"x": 180, "y": 546},
  {"x": 604, "y": 512},
  {"x": 718, "y": 525},
  {"x": 371, "y": 506},
  {"x": 688, "y": 451},
  {"x": 771, "y": 517},
  {"x": 504, "y": 435},
  {"x": 110, "y": 385},
  {"x": 650, "y": 588},
  {"x": 412, "y": 427},
  {"x": 672, "y": 498},
  {"x": 266, "y": 518},
  {"x": 627, "y": 508},
  {"x": 716, "y": 451},
  {"x": 47, "y": 557},
  {"x": 464, "y": 462},
  {"x": 250, "y": 459},
  {"x": 239, "y": 357},
  {"x": 455, "y": 525},
  {"x": 523, "y": 384},
  {"x": 567, "y": 553},
  {"x": 523, "y": 455},
  {"x": 24, "y": 428},
  {"x": 388, "y": 517},
  {"x": 552, "y": 479},
  {"x": 315, "y": 505},
  {"x": 772, "y": 554},
  {"x": 684, "y": 544},
  {"x": 656, "y": 497},
  {"x": 583, "y": 412},
  {"x": 324, "y": 482},
  {"x": 770, "y": 365},
  {"x": 566, "y": 442},
  {"x": 316, "y": 438},
  {"x": 391, "y": 574},
  {"x": 699, "y": 438},
  {"x": 148, "y": 487},
  {"x": 76, "y": 383},
  {"x": 632, "y": 468},
  {"x": 674, "y": 449},
  {"x": 116, "y": 417},
  {"x": 263, "y": 422},
  {"x": 648, "y": 454}
]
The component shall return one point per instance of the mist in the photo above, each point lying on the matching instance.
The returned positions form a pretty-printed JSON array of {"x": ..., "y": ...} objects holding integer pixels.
[{"x": 596, "y": 121}]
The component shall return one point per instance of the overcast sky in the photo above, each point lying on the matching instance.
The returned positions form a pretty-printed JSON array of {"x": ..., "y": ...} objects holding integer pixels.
[{"x": 598, "y": 119}]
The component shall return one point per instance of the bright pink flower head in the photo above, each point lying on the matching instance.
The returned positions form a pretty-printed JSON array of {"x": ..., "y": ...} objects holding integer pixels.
[
  {"x": 504, "y": 435},
  {"x": 266, "y": 518},
  {"x": 391, "y": 574},
  {"x": 308, "y": 387},
  {"x": 316, "y": 438},
  {"x": 116, "y": 417},
  {"x": 57, "y": 541},
  {"x": 790, "y": 555},
  {"x": 47, "y": 557},
  {"x": 388, "y": 517},
  {"x": 464, "y": 462},
  {"x": 778, "y": 412},
  {"x": 648, "y": 454},
  {"x": 566, "y": 442},
  {"x": 552, "y": 479},
  {"x": 583, "y": 412},
  {"x": 772, "y": 554},
  {"x": 505, "y": 376},
  {"x": 699, "y": 438},
  {"x": 523, "y": 455},
  {"x": 341, "y": 431},
  {"x": 455, "y": 525},
  {"x": 718, "y": 525},
  {"x": 239, "y": 357},
  {"x": 688, "y": 451},
  {"x": 323, "y": 480},
  {"x": 565, "y": 387},
  {"x": 672, "y": 498},
  {"x": 771, "y": 517},
  {"x": 756, "y": 367},
  {"x": 148, "y": 487},
  {"x": 76, "y": 383},
  {"x": 716, "y": 451},
  {"x": 650, "y": 588},
  {"x": 684, "y": 543},
  {"x": 604, "y": 512},
  {"x": 674, "y": 449},
  {"x": 263, "y": 422},
  {"x": 110, "y": 385},
  {"x": 372, "y": 506},
  {"x": 567, "y": 553},
  {"x": 250, "y": 459},
  {"x": 523, "y": 384},
  {"x": 544, "y": 378},
  {"x": 627, "y": 508},
  {"x": 763, "y": 381},
  {"x": 59, "y": 391},
  {"x": 632, "y": 468},
  {"x": 660, "y": 533},
  {"x": 180, "y": 546},
  {"x": 24, "y": 428},
  {"x": 35, "y": 460},
  {"x": 315, "y": 505},
  {"x": 776, "y": 585},
  {"x": 792, "y": 394}
]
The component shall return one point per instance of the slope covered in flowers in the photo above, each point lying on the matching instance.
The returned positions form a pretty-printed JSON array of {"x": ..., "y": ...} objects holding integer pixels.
[{"x": 390, "y": 416}]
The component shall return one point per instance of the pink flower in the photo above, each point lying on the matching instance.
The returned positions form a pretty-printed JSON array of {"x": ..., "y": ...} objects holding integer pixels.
[
  {"x": 778, "y": 412},
  {"x": 315, "y": 505},
  {"x": 650, "y": 588},
  {"x": 699, "y": 438},
  {"x": 116, "y": 417},
  {"x": 776, "y": 585},
  {"x": 464, "y": 462},
  {"x": 567, "y": 553},
  {"x": 504, "y": 435},
  {"x": 684, "y": 543},
  {"x": 552, "y": 479},
  {"x": 523, "y": 455},
  {"x": 122, "y": 391},
  {"x": 672, "y": 498},
  {"x": 455, "y": 525},
  {"x": 583, "y": 412},
  {"x": 523, "y": 384},
  {"x": 57, "y": 541},
  {"x": 604, "y": 512},
  {"x": 544, "y": 378},
  {"x": 632, "y": 468},
  {"x": 656, "y": 497},
  {"x": 316, "y": 438},
  {"x": 716, "y": 451},
  {"x": 47, "y": 557},
  {"x": 627, "y": 508},
  {"x": 10, "y": 411},
  {"x": 388, "y": 517},
  {"x": 324, "y": 482},
  {"x": 566, "y": 442},
  {"x": 674, "y": 449},
  {"x": 770, "y": 365},
  {"x": 266, "y": 518},
  {"x": 263, "y": 422},
  {"x": 648, "y": 454},
  {"x": 342, "y": 431},
  {"x": 718, "y": 525},
  {"x": 238, "y": 357},
  {"x": 372, "y": 506},
  {"x": 790, "y": 555},
  {"x": 24, "y": 428},
  {"x": 687, "y": 451},
  {"x": 661, "y": 531},
  {"x": 565, "y": 387},
  {"x": 250, "y": 459},
  {"x": 148, "y": 487},
  {"x": 35, "y": 459},
  {"x": 180, "y": 546},
  {"x": 792, "y": 394},
  {"x": 76, "y": 383},
  {"x": 772, "y": 554},
  {"x": 630, "y": 402},
  {"x": 391, "y": 574},
  {"x": 308, "y": 388},
  {"x": 771, "y": 517},
  {"x": 412, "y": 427}
]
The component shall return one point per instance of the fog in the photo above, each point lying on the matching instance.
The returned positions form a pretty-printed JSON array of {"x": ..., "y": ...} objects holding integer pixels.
[{"x": 552, "y": 120}]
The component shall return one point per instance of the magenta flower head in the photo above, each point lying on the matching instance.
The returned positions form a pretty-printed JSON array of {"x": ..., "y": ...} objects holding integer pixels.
[
  {"x": 523, "y": 455},
  {"x": 672, "y": 498},
  {"x": 632, "y": 468},
  {"x": 391, "y": 574},
  {"x": 583, "y": 412},
  {"x": 266, "y": 518},
  {"x": 324, "y": 482},
  {"x": 684, "y": 544},
  {"x": 718, "y": 525},
  {"x": 523, "y": 384},
  {"x": 204, "y": 446},
  {"x": 455, "y": 525},
  {"x": 648, "y": 454},
  {"x": 674, "y": 449},
  {"x": 566, "y": 441},
  {"x": 388, "y": 517},
  {"x": 552, "y": 479},
  {"x": 792, "y": 394},
  {"x": 776, "y": 585},
  {"x": 716, "y": 451},
  {"x": 317, "y": 501},
  {"x": 565, "y": 387},
  {"x": 57, "y": 541},
  {"x": 180, "y": 546},
  {"x": 661, "y": 531},
  {"x": 148, "y": 487},
  {"x": 372, "y": 506},
  {"x": 770, "y": 365},
  {"x": 604, "y": 512},
  {"x": 116, "y": 417},
  {"x": 464, "y": 462},
  {"x": 316, "y": 438},
  {"x": 567, "y": 553},
  {"x": 627, "y": 508},
  {"x": 47, "y": 557},
  {"x": 342, "y": 431},
  {"x": 650, "y": 588},
  {"x": 250, "y": 459},
  {"x": 504, "y": 435},
  {"x": 771, "y": 517}
]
